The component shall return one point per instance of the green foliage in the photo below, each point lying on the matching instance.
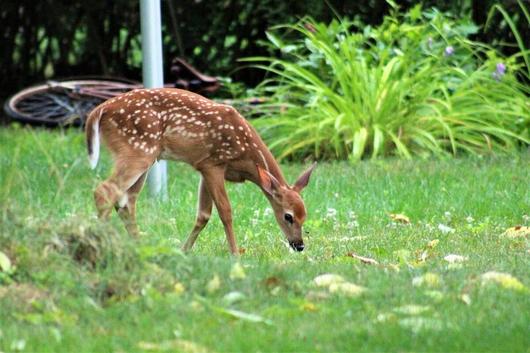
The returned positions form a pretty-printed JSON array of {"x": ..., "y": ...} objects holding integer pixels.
[
  {"x": 95, "y": 37},
  {"x": 415, "y": 85}
]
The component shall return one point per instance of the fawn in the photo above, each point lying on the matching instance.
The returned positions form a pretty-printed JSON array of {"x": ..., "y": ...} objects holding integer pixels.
[{"x": 144, "y": 125}]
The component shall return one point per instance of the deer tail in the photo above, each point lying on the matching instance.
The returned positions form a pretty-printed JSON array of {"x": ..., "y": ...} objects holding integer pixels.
[{"x": 92, "y": 135}]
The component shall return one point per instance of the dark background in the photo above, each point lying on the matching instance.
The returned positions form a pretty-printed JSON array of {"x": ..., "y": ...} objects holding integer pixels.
[{"x": 60, "y": 38}]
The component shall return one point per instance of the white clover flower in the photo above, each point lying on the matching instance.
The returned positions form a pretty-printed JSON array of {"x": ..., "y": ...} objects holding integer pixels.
[
  {"x": 445, "y": 229},
  {"x": 331, "y": 213}
]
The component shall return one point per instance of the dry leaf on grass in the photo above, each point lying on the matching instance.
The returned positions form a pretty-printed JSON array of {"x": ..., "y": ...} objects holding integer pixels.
[
  {"x": 317, "y": 295},
  {"x": 430, "y": 280},
  {"x": 177, "y": 345},
  {"x": 272, "y": 282},
  {"x": 453, "y": 259},
  {"x": 346, "y": 289},
  {"x": 400, "y": 218},
  {"x": 328, "y": 279},
  {"x": 237, "y": 271},
  {"x": 505, "y": 280},
  {"x": 364, "y": 260},
  {"x": 178, "y": 288},
  {"x": 233, "y": 297},
  {"x": 433, "y": 243},
  {"x": 466, "y": 299},
  {"x": 237, "y": 314},
  {"x": 517, "y": 232},
  {"x": 214, "y": 284},
  {"x": 308, "y": 306},
  {"x": 229, "y": 299},
  {"x": 336, "y": 284}
]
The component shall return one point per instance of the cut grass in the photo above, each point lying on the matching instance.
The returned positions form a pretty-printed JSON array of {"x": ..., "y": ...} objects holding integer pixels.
[{"x": 78, "y": 285}]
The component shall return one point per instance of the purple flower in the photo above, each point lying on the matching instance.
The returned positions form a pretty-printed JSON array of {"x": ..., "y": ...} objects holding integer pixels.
[
  {"x": 449, "y": 50},
  {"x": 500, "y": 70}
]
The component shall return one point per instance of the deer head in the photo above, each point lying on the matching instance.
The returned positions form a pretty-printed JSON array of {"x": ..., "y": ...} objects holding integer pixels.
[{"x": 287, "y": 204}]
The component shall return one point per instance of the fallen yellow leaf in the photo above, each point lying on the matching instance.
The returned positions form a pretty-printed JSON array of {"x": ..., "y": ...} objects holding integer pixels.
[
  {"x": 452, "y": 258},
  {"x": 433, "y": 243},
  {"x": 517, "y": 232},
  {"x": 431, "y": 280},
  {"x": 347, "y": 289},
  {"x": 328, "y": 279},
  {"x": 364, "y": 260},
  {"x": 308, "y": 306},
  {"x": 505, "y": 280},
  {"x": 466, "y": 299},
  {"x": 400, "y": 218},
  {"x": 177, "y": 345},
  {"x": 214, "y": 284},
  {"x": 179, "y": 288},
  {"x": 336, "y": 284},
  {"x": 237, "y": 271}
]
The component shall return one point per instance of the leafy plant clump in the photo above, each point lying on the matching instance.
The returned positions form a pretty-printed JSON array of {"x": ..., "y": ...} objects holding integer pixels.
[{"x": 415, "y": 85}]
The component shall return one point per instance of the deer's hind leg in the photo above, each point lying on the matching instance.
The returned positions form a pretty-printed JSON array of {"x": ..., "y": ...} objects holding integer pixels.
[{"x": 127, "y": 173}]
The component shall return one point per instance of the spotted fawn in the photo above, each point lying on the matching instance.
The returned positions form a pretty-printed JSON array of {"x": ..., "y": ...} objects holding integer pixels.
[{"x": 146, "y": 125}]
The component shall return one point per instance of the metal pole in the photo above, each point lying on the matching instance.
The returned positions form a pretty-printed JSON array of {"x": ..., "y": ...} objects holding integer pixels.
[{"x": 153, "y": 76}]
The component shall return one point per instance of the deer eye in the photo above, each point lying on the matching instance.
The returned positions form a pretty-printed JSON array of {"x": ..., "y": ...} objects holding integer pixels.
[{"x": 288, "y": 217}]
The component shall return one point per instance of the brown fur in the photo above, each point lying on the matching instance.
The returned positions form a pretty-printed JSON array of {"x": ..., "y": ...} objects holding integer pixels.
[{"x": 142, "y": 126}]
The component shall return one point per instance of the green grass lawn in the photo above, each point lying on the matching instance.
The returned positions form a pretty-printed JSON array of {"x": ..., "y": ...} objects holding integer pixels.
[{"x": 76, "y": 285}]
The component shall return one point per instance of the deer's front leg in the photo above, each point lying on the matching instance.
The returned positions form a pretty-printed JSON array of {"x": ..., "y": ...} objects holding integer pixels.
[
  {"x": 214, "y": 177},
  {"x": 204, "y": 211}
]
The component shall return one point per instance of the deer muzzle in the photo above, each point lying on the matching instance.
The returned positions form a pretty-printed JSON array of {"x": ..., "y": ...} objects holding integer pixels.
[{"x": 297, "y": 245}]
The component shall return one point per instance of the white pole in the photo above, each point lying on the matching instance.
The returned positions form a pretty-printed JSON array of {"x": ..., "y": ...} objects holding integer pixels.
[{"x": 153, "y": 76}]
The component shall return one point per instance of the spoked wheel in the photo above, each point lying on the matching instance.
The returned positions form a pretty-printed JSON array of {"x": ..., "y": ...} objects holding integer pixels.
[{"x": 65, "y": 102}]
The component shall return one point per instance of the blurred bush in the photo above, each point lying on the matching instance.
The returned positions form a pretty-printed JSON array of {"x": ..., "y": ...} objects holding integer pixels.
[
  {"x": 59, "y": 38},
  {"x": 414, "y": 85}
]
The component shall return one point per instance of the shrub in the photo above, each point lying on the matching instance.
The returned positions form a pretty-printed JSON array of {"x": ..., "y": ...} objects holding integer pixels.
[{"x": 415, "y": 85}]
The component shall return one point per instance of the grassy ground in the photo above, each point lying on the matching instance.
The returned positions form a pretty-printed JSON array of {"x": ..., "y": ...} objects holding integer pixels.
[{"x": 75, "y": 285}]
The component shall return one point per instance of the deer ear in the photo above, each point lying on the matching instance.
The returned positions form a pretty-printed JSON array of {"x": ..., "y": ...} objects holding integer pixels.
[
  {"x": 303, "y": 180},
  {"x": 267, "y": 181}
]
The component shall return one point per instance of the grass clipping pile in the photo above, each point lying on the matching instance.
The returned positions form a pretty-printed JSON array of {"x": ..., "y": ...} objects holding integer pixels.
[
  {"x": 76, "y": 252},
  {"x": 93, "y": 245}
]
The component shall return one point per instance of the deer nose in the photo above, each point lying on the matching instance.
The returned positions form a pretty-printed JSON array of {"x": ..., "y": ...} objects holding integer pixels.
[{"x": 298, "y": 246}]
